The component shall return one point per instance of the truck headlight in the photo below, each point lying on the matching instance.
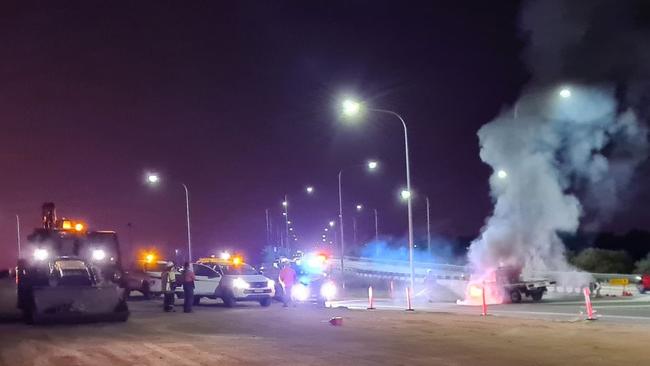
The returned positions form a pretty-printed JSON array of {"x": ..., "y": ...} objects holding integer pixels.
[
  {"x": 240, "y": 283},
  {"x": 300, "y": 292},
  {"x": 40, "y": 254},
  {"x": 270, "y": 283},
  {"x": 328, "y": 290},
  {"x": 99, "y": 255}
]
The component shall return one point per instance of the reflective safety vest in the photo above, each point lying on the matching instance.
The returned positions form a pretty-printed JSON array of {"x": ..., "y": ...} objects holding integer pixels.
[{"x": 168, "y": 281}]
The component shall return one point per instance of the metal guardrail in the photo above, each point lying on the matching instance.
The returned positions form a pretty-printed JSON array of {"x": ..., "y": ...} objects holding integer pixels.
[
  {"x": 395, "y": 269},
  {"x": 399, "y": 269}
]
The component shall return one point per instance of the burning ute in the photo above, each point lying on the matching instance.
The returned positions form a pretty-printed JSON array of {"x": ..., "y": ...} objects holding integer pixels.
[
  {"x": 72, "y": 275},
  {"x": 505, "y": 285}
]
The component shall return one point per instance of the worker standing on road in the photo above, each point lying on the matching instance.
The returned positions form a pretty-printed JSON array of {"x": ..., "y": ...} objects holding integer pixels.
[
  {"x": 287, "y": 279},
  {"x": 188, "y": 287},
  {"x": 168, "y": 282}
]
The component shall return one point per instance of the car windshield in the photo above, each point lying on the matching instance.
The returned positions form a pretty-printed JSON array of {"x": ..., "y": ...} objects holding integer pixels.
[{"x": 241, "y": 269}]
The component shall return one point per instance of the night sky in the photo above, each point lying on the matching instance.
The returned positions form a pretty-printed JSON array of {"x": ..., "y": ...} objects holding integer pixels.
[{"x": 239, "y": 101}]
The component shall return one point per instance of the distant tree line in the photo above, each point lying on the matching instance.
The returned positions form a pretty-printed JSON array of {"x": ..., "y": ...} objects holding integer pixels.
[{"x": 609, "y": 252}]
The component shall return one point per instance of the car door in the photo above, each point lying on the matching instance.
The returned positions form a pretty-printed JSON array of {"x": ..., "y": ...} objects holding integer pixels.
[{"x": 206, "y": 280}]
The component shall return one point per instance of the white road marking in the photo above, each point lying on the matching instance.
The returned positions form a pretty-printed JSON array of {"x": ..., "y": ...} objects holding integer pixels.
[{"x": 465, "y": 311}]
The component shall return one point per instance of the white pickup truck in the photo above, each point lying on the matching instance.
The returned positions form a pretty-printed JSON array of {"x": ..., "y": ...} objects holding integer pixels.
[
  {"x": 515, "y": 288},
  {"x": 230, "y": 283},
  {"x": 145, "y": 278}
]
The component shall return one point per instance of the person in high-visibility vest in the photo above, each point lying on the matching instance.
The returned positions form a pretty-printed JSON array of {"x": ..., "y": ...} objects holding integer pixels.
[{"x": 168, "y": 284}]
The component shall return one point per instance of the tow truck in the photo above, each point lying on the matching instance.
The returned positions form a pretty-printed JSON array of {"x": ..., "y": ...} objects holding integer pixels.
[
  {"x": 73, "y": 274},
  {"x": 231, "y": 280}
]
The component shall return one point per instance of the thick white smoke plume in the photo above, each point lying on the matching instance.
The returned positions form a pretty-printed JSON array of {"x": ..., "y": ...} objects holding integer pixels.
[
  {"x": 563, "y": 158},
  {"x": 538, "y": 156}
]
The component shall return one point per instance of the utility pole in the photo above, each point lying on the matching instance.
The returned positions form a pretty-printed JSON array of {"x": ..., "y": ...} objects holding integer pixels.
[
  {"x": 376, "y": 227},
  {"x": 268, "y": 228},
  {"x": 18, "y": 234},
  {"x": 187, "y": 213},
  {"x": 428, "y": 226},
  {"x": 286, "y": 221}
]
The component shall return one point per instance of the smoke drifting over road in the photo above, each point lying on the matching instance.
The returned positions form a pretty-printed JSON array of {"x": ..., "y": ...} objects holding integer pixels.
[{"x": 573, "y": 140}]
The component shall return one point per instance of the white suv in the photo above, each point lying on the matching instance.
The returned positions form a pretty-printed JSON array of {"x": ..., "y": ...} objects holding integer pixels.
[{"x": 231, "y": 283}]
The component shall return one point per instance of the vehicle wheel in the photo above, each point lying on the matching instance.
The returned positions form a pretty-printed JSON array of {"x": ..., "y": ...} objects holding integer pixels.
[
  {"x": 265, "y": 302},
  {"x": 229, "y": 300},
  {"x": 122, "y": 316},
  {"x": 537, "y": 296},
  {"x": 515, "y": 297},
  {"x": 197, "y": 300},
  {"x": 146, "y": 291},
  {"x": 31, "y": 315}
]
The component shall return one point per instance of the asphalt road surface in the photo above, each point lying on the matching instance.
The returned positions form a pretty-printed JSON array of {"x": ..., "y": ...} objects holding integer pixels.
[
  {"x": 613, "y": 309},
  {"x": 252, "y": 335}
]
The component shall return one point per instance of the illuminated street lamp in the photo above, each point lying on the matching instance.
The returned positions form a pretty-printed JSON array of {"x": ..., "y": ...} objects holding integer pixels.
[
  {"x": 502, "y": 174},
  {"x": 359, "y": 207},
  {"x": 352, "y": 108},
  {"x": 565, "y": 93},
  {"x": 153, "y": 179},
  {"x": 372, "y": 164},
  {"x": 332, "y": 223},
  {"x": 405, "y": 194},
  {"x": 370, "y": 167},
  {"x": 285, "y": 204}
]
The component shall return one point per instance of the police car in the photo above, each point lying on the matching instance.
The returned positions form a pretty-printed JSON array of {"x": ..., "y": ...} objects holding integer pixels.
[
  {"x": 314, "y": 283},
  {"x": 230, "y": 280}
]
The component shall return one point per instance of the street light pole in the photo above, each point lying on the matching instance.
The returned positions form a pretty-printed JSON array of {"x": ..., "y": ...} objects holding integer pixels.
[
  {"x": 376, "y": 227},
  {"x": 408, "y": 188},
  {"x": 153, "y": 179},
  {"x": 187, "y": 211},
  {"x": 268, "y": 231},
  {"x": 18, "y": 233},
  {"x": 286, "y": 221},
  {"x": 341, "y": 228},
  {"x": 428, "y": 226}
]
